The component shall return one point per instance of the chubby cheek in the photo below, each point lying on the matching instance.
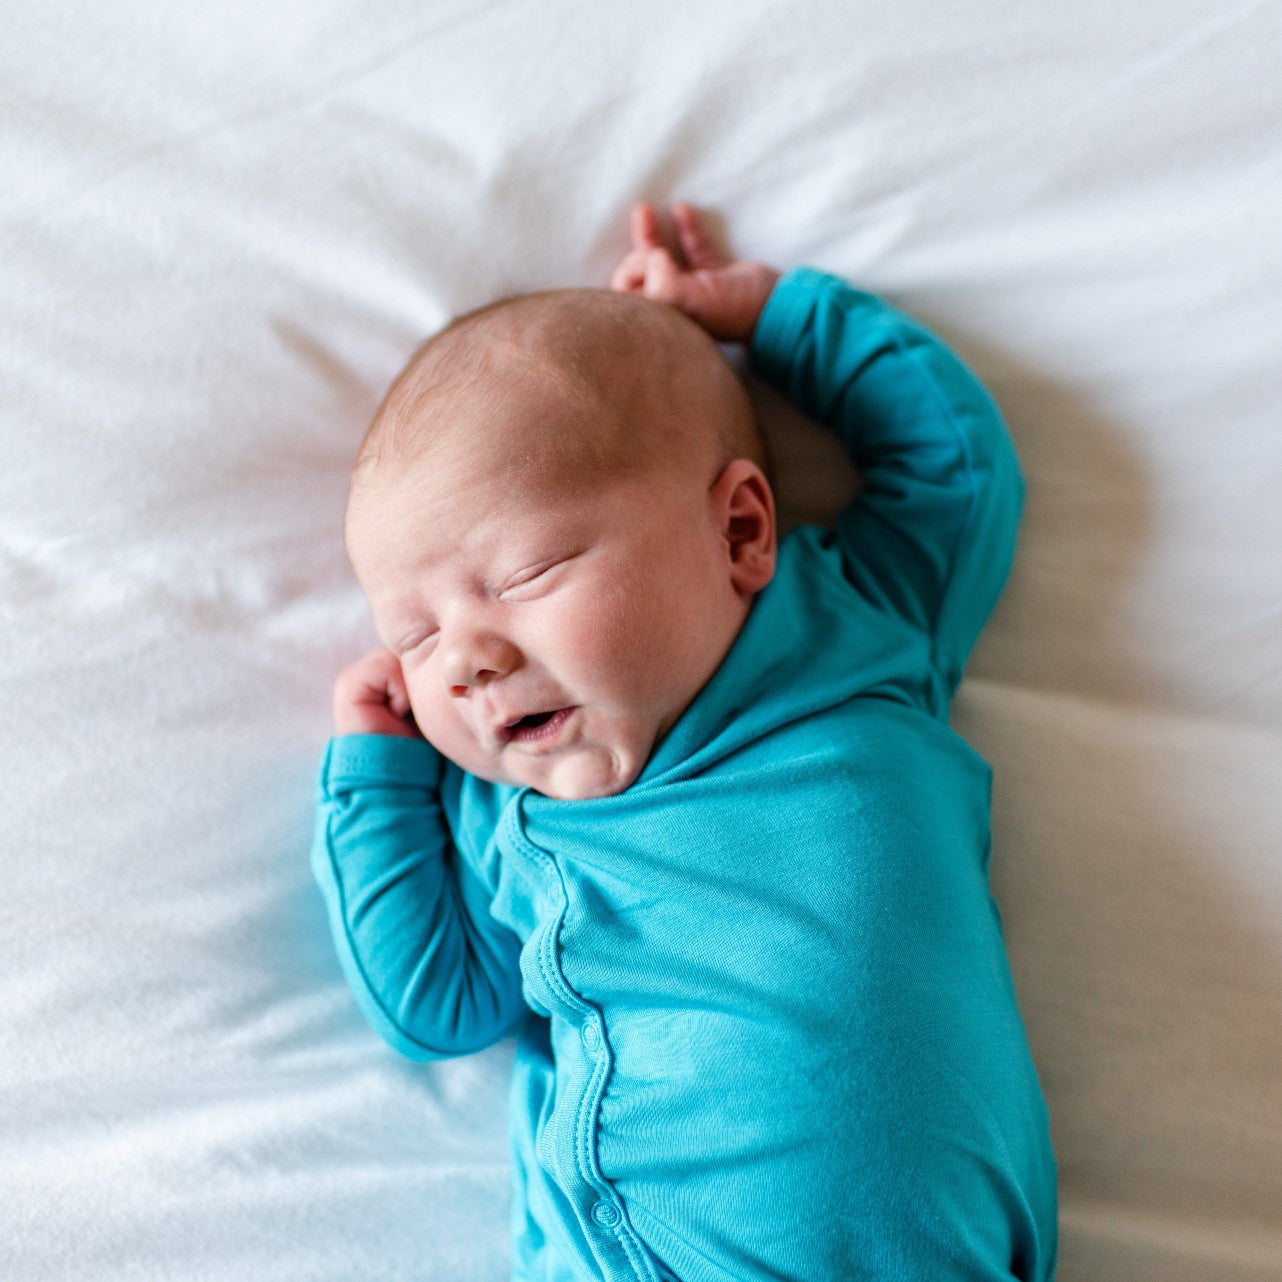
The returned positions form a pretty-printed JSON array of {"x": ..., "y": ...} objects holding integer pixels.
[
  {"x": 605, "y": 645},
  {"x": 442, "y": 727},
  {"x": 653, "y": 656}
]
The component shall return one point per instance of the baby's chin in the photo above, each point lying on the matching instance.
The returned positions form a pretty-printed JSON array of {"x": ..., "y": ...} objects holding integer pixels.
[
  {"x": 581, "y": 772},
  {"x": 584, "y": 775}
]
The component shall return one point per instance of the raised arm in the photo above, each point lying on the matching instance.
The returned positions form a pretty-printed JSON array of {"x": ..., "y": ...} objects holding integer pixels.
[
  {"x": 932, "y": 534},
  {"x": 432, "y": 970}
]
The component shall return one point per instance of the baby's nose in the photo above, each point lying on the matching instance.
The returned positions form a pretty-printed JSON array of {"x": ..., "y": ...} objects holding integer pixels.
[{"x": 477, "y": 660}]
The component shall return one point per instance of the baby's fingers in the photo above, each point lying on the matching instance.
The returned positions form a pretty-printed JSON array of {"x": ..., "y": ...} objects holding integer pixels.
[
  {"x": 662, "y": 277},
  {"x": 398, "y": 697},
  {"x": 370, "y": 697},
  {"x": 652, "y": 273},
  {"x": 697, "y": 244},
  {"x": 372, "y": 681},
  {"x": 647, "y": 233},
  {"x": 629, "y": 275}
]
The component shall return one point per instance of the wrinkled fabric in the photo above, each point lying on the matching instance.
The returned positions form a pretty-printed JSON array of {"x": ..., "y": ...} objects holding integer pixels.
[{"x": 772, "y": 1031}]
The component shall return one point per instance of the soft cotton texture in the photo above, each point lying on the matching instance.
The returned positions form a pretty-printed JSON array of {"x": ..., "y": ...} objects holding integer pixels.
[
  {"x": 774, "y": 1031},
  {"x": 223, "y": 231}
]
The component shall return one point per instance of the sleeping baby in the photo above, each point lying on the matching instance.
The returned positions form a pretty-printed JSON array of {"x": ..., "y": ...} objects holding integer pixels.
[{"x": 678, "y": 804}]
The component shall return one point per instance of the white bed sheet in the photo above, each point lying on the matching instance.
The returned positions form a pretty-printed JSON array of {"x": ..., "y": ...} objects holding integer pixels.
[{"x": 222, "y": 231}]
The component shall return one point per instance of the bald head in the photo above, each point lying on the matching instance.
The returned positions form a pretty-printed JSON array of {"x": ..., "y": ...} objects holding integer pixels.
[{"x": 577, "y": 384}]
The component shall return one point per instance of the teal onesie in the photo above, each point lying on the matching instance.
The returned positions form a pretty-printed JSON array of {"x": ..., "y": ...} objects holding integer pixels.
[{"x": 766, "y": 1027}]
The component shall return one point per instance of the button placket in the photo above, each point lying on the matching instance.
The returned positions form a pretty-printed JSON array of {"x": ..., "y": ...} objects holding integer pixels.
[{"x": 615, "y": 1237}]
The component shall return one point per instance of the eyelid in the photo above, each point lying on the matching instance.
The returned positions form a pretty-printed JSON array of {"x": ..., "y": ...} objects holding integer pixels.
[
  {"x": 531, "y": 574},
  {"x": 413, "y": 642}
]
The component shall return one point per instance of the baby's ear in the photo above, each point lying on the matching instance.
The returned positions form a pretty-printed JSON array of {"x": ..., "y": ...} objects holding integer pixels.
[{"x": 744, "y": 506}]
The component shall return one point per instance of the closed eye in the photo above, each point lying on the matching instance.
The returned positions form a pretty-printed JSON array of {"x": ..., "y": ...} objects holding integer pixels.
[
  {"x": 416, "y": 645},
  {"x": 535, "y": 579}
]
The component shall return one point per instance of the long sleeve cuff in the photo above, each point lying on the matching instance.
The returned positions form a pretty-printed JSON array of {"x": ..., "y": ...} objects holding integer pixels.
[
  {"x": 355, "y": 760},
  {"x": 779, "y": 327}
]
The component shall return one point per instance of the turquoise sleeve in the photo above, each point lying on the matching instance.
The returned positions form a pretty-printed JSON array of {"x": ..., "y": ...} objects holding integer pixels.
[
  {"x": 931, "y": 536},
  {"x": 432, "y": 970}
]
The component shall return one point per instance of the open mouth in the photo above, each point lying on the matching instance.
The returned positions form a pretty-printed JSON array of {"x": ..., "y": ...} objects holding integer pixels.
[{"x": 536, "y": 727}]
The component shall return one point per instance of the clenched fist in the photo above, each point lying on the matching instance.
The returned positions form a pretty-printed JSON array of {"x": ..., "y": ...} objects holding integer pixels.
[{"x": 370, "y": 698}]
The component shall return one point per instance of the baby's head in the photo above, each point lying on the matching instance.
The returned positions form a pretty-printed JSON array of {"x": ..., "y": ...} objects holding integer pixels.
[{"x": 560, "y": 517}]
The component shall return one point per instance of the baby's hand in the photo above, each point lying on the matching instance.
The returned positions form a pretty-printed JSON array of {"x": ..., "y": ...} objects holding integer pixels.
[
  {"x": 724, "y": 296},
  {"x": 370, "y": 698}
]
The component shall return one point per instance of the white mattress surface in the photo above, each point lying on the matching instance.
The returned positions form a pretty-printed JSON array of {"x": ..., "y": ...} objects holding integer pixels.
[{"x": 222, "y": 230}]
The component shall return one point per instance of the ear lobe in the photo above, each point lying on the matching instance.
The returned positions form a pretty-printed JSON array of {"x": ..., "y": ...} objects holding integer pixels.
[{"x": 745, "y": 509}]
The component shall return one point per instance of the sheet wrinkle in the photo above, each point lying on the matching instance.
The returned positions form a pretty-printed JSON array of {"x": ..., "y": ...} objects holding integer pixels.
[
  {"x": 116, "y": 581},
  {"x": 1036, "y": 130},
  {"x": 225, "y": 235},
  {"x": 1114, "y": 709},
  {"x": 165, "y": 147},
  {"x": 1246, "y": 1242},
  {"x": 1187, "y": 42},
  {"x": 1236, "y": 692}
]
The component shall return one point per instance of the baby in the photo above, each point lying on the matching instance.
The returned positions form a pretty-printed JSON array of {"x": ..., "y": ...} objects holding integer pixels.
[{"x": 680, "y": 806}]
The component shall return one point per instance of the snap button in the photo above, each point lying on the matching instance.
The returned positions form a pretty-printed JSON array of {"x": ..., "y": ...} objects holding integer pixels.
[
  {"x": 606, "y": 1214},
  {"x": 591, "y": 1035}
]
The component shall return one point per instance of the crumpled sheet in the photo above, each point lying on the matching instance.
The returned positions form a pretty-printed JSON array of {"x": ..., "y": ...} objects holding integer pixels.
[{"x": 222, "y": 232}]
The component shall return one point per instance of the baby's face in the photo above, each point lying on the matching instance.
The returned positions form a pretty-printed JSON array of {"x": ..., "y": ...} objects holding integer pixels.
[{"x": 550, "y": 633}]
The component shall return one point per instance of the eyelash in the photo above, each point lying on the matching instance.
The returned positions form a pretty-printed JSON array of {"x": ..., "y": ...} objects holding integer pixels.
[
  {"x": 417, "y": 644},
  {"x": 524, "y": 579},
  {"x": 531, "y": 576}
]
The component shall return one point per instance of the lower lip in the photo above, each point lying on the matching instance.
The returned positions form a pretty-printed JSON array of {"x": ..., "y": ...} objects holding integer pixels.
[{"x": 544, "y": 735}]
